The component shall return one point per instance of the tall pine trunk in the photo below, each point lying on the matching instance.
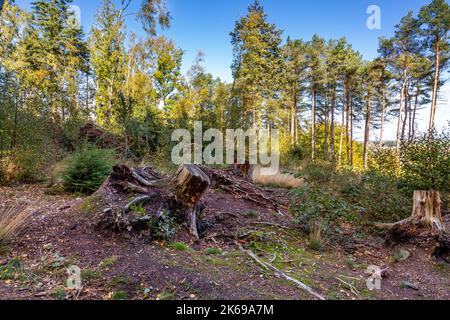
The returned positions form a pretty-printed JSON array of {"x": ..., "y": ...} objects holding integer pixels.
[
  {"x": 332, "y": 142},
  {"x": 400, "y": 113},
  {"x": 383, "y": 115},
  {"x": 367, "y": 131},
  {"x": 347, "y": 124},
  {"x": 435, "y": 89},
  {"x": 313, "y": 126},
  {"x": 413, "y": 128},
  {"x": 327, "y": 120},
  {"x": 351, "y": 131},
  {"x": 341, "y": 143}
]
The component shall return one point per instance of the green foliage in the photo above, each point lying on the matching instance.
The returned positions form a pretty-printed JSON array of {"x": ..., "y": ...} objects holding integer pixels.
[
  {"x": 426, "y": 162},
  {"x": 213, "y": 251},
  {"x": 12, "y": 270},
  {"x": 119, "y": 295},
  {"x": 378, "y": 197},
  {"x": 180, "y": 246},
  {"x": 58, "y": 293},
  {"x": 331, "y": 197},
  {"x": 87, "y": 169},
  {"x": 164, "y": 227},
  {"x": 108, "y": 262},
  {"x": 384, "y": 161}
]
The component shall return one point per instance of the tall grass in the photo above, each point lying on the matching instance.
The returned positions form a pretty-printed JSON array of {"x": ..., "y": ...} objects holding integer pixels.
[
  {"x": 278, "y": 179},
  {"x": 12, "y": 219}
]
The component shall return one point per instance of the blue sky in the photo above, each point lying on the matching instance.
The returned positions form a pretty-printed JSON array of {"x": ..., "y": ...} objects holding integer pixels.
[{"x": 205, "y": 25}]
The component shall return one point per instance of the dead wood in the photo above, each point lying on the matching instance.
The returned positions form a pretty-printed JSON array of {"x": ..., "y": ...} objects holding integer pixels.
[
  {"x": 179, "y": 195},
  {"x": 268, "y": 266},
  {"x": 233, "y": 182},
  {"x": 424, "y": 227}
]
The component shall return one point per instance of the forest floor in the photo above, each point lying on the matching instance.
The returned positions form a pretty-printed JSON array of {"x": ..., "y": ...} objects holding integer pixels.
[{"x": 59, "y": 235}]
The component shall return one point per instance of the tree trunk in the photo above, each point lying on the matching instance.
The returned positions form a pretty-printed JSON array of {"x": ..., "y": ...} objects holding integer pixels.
[
  {"x": 341, "y": 141},
  {"x": 426, "y": 213},
  {"x": 332, "y": 142},
  {"x": 413, "y": 125},
  {"x": 435, "y": 89},
  {"x": 180, "y": 196},
  {"x": 327, "y": 120},
  {"x": 383, "y": 115},
  {"x": 406, "y": 113},
  {"x": 347, "y": 125},
  {"x": 351, "y": 131},
  {"x": 367, "y": 131},
  {"x": 400, "y": 114},
  {"x": 313, "y": 126},
  {"x": 293, "y": 120}
]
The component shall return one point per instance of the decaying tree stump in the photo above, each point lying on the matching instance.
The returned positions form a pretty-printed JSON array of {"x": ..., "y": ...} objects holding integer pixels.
[
  {"x": 179, "y": 195},
  {"x": 424, "y": 224},
  {"x": 426, "y": 214},
  {"x": 188, "y": 185}
]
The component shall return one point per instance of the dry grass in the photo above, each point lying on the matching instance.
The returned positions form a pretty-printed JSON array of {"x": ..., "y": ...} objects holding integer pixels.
[
  {"x": 12, "y": 220},
  {"x": 278, "y": 180},
  {"x": 315, "y": 237}
]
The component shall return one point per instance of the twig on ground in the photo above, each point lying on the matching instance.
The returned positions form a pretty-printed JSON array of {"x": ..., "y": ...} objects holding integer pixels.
[
  {"x": 349, "y": 286},
  {"x": 268, "y": 266}
]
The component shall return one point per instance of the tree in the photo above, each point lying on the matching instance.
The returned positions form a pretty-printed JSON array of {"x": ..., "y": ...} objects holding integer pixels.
[
  {"x": 335, "y": 68},
  {"x": 152, "y": 13},
  {"x": 401, "y": 51},
  {"x": 167, "y": 60},
  {"x": 373, "y": 75},
  {"x": 316, "y": 74},
  {"x": 426, "y": 168},
  {"x": 256, "y": 62},
  {"x": 294, "y": 72},
  {"x": 106, "y": 46},
  {"x": 434, "y": 20},
  {"x": 56, "y": 53},
  {"x": 352, "y": 65}
]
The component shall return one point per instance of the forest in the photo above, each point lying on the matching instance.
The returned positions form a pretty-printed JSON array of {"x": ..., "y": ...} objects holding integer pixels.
[{"x": 87, "y": 182}]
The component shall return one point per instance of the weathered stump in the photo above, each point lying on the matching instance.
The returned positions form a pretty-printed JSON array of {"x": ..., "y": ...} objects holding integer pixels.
[
  {"x": 179, "y": 196},
  {"x": 425, "y": 225},
  {"x": 426, "y": 214},
  {"x": 189, "y": 185}
]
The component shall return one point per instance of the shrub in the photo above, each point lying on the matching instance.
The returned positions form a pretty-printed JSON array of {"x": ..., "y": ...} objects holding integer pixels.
[
  {"x": 163, "y": 228},
  {"x": 213, "y": 251},
  {"x": 352, "y": 197},
  {"x": 12, "y": 219},
  {"x": 426, "y": 162},
  {"x": 384, "y": 161},
  {"x": 180, "y": 246},
  {"x": 378, "y": 197},
  {"x": 87, "y": 169}
]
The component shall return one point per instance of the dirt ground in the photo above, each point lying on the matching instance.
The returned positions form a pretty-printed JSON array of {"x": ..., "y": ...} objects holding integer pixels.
[{"x": 60, "y": 235}]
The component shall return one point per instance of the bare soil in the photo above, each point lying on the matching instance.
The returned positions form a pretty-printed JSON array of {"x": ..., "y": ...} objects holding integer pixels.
[{"x": 61, "y": 234}]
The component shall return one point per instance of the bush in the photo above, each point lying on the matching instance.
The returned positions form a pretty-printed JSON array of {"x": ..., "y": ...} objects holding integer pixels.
[
  {"x": 426, "y": 162},
  {"x": 384, "y": 161},
  {"x": 351, "y": 197},
  {"x": 87, "y": 169},
  {"x": 163, "y": 228},
  {"x": 379, "y": 197}
]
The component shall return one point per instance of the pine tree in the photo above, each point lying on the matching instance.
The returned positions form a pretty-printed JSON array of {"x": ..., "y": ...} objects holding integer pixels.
[
  {"x": 435, "y": 26},
  {"x": 294, "y": 72},
  {"x": 106, "y": 46},
  {"x": 257, "y": 62}
]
